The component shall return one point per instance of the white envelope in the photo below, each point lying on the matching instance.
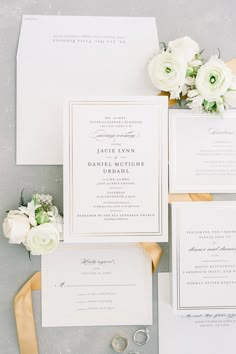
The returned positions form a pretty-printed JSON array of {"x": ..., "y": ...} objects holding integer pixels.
[{"x": 69, "y": 56}]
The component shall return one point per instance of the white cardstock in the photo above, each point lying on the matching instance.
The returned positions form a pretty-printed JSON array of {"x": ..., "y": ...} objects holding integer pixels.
[
  {"x": 62, "y": 56},
  {"x": 202, "y": 152},
  {"x": 96, "y": 285},
  {"x": 204, "y": 257},
  {"x": 115, "y": 170},
  {"x": 195, "y": 334}
]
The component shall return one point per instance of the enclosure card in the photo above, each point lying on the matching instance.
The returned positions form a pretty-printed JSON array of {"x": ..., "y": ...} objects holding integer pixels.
[
  {"x": 202, "y": 152},
  {"x": 204, "y": 333},
  {"x": 204, "y": 257}
]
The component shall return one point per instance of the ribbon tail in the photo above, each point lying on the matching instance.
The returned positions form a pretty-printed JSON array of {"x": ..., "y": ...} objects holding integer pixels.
[
  {"x": 154, "y": 251},
  {"x": 24, "y": 316},
  {"x": 204, "y": 197}
]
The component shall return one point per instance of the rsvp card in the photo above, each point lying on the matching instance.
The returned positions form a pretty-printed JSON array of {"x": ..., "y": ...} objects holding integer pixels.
[
  {"x": 97, "y": 285},
  {"x": 204, "y": 257},
  {"x": 202, "y": 152},
  {"x": 196, "y": 334},
  {"x": 115, "y": 169}
]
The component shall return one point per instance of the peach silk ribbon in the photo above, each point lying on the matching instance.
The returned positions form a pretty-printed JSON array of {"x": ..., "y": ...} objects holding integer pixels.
[{"x": 23, "y": 301}]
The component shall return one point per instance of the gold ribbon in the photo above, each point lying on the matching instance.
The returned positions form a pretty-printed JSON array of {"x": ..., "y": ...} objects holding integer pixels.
[
  {"x": 154, "y": 251},
  {"x": 25, "y": 317}
]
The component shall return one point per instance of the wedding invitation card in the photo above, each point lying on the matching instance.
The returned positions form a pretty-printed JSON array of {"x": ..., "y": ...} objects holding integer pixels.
[
  {"x": 202, "y": 152},
  {"x": 97, "y": 285},
  {"x": 196, "y": 334},
  {"x": 115, "y": 169},
  {"x": 204, "y": 257},
  {"x": 62, "y": 56}
]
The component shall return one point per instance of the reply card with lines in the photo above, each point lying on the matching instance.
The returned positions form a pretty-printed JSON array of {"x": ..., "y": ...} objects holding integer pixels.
[{"x": 89, "y": 285}]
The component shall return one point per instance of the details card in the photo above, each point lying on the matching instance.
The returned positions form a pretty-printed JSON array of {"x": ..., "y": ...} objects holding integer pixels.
[{"x": 202, "y": 152}]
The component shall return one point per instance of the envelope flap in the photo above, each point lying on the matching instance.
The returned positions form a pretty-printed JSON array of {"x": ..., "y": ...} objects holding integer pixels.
[{"x": 63, "y": 36}]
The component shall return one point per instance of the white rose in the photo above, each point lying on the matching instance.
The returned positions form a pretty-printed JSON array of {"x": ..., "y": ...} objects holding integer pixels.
[
  {"x": 213, "y": 79},
  {"x": 185, "y": 47},
  {"x": 42, "y": 239},
  {"x": 167, "y": 72},
  {"x": 16, "y": 226}
]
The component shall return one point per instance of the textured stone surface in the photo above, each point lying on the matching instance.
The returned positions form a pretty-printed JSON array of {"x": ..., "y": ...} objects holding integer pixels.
[{"x": 210, "y": 23}]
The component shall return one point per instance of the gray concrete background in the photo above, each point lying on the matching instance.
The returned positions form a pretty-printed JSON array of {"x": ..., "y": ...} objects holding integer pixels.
[{"x": 212, "y": 23}]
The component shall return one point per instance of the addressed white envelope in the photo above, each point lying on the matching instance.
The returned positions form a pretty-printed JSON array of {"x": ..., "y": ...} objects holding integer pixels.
[
  {"x": 71, "y": 55},
  {"x": 199, "y": 334},
  {"x": 202, "y": 152},
  {"x": 115, "y": 169},
  {"x": 97, "y": 285},
  {"x": 204, "y": 257}
]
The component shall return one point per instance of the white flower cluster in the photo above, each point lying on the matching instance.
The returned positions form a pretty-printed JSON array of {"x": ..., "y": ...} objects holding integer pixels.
[
  {"x": 37, "y": 226},
  {"x": 180, "y": 70},
  {"x": 43, "y": 198}
]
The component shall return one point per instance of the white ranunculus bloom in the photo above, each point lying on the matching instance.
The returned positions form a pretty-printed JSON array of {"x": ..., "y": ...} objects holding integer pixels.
[
  {"x": 42, "y": 239},
  {"x": 213, "y": 79},
  {"x": 167, "y": 72},
  {"x": 185, "y": 47},
  {"x": 16, "y": 226}
]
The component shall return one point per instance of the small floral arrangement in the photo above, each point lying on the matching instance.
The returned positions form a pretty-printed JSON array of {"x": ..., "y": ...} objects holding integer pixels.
[
  {"x": 181, "y": 70},
  {"x": 37, "y": 224}
]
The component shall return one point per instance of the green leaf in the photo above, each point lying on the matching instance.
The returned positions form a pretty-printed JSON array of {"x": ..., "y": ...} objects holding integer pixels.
[
  {"x": 162, "y": 44},
  {"x": 179, "y": 102},
  {"x": 22, "y": 200},
  {"x": 41, "y": 217},
  {"x": 202, "y": 51},
  {"x": 29, "y": 255}
]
